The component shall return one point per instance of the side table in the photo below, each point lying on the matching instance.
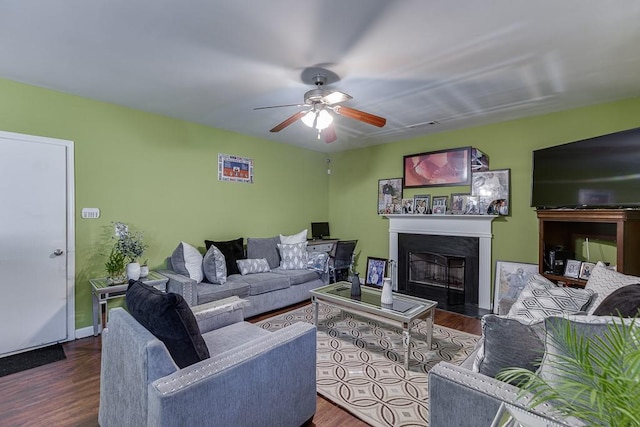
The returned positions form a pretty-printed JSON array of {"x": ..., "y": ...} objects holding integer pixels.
[{"x": 102, "y": 292}]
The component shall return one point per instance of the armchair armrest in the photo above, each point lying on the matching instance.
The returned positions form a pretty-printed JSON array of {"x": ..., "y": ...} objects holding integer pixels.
[
  {"x": 267, "y": 381},
  {"x": 461, "y": 397},
  {"x": 183, "y": 285},
  {"x": 216, "y": 314}
]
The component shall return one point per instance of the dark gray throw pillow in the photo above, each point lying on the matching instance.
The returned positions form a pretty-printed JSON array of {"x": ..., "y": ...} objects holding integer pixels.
[
  {"x": 264, "y": 248},
  {"x": 232, "y": 250},
  {"x": 168, "y": 317},
  {"x": 624, "y": 301},
  {"x": 509, "y": 344}
]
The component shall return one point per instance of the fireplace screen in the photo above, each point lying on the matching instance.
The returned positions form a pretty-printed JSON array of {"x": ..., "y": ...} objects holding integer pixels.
[{"x": 445, "y": 271}]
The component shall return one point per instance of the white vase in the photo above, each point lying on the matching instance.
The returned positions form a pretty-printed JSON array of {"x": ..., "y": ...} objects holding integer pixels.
[
  {"x": 144, "y": 270},
  {"x": 387, "y": 292},
  {"x": 133, "y": 271}
]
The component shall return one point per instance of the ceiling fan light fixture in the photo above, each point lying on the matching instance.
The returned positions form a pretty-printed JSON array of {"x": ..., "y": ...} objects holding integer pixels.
[{"x": 319, "y": 120}]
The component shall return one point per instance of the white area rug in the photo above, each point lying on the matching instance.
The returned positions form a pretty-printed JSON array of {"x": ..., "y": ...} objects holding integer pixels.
[{"x": 360, "y": 364}]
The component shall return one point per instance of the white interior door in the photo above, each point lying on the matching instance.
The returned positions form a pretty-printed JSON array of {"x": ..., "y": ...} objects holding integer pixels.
[{"x": 36, "y": 307}]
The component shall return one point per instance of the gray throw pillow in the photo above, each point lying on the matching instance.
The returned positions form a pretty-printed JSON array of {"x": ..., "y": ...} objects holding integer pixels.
[
  {"x": 214, "y": 266},
  {"x": 264, "y": 248},
  {"x": 508, "y": 343},
  {"x": 253, "y": 266},
  {"x": 186, "y": 260},
  {"x": 293, "y": 257}
]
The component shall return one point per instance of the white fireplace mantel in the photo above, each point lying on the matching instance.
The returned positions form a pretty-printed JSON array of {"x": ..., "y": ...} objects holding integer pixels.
[{"x": 449, "y": 225}]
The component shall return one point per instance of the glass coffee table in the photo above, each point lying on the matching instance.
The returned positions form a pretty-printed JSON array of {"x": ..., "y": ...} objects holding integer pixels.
[{"x": 404, "y": 311}]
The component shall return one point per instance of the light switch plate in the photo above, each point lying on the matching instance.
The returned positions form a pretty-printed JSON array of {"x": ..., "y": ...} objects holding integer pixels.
[{"x": 90, "y": 213}]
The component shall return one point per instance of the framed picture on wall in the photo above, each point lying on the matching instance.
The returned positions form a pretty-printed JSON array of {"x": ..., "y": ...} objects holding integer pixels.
[
  {"x": 376, "y": 269},
  {"x": 389, "y": 196},
  {"x": 511, "y": 278},
  {"x": 492, "y": 189},
  {"x": 438, "y": 168}
]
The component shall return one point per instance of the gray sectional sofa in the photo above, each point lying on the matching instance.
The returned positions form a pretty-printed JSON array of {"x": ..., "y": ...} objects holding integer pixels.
[
  {"x": 265, "y": 291},
  {"x": 470, "y": 395}
]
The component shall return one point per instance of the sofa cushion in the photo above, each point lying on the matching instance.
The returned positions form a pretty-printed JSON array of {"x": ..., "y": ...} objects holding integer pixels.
[
  {"x": 187, "y": 260},
  {"x": 214, "y": 266},
  {"x": 234, "y": 286},
  {"x": 253, "y": 266},
  {"x": 624, "y": 302},
  {"x": 232, "y": 250},
  {"x": 262, "y": 283},
  {"x": 508, "y": 343},
  {"x": 168, "y": 317},
  {"x": 293, "y": 257},
  {"x": 264, "y": 248},
  {"x": 604, "y": 281},
  {"x": 294, "y": 238},
  {"x": 538, "y": 302},
  {"x": 298, "y": 277}
]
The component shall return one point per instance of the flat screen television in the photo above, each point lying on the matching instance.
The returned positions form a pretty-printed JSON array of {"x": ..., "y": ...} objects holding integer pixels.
[
  {"x": 600, "y": 172},
  {"x": 320, "y": 230}
]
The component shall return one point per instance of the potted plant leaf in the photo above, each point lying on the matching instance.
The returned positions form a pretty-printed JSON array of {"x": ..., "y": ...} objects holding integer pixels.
[
  {"x": 595, "y": 379},
  {"x": 131, "y": 245}
]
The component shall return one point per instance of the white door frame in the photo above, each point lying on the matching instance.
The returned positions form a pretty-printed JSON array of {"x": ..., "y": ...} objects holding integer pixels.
[{"x": 71, "y": 226}]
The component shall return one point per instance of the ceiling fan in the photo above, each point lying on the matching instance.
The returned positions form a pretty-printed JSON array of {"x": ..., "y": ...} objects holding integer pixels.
[{"x": 319, "y": 102}]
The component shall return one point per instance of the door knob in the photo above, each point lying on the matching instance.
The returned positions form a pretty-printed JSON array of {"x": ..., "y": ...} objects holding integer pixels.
[{"x": 58, "y": 252}]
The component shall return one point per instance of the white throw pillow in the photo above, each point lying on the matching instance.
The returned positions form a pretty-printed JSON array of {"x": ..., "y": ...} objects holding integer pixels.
[
  {"x": 294, "y": 238},
  {"x": 604, "y": 281},
  {"x": 538, "y": 302},
  {"x": 253, "y": 265},
  {"x": 186, "y": 260},
  {"x": 215, "y": 266},
  {"x": 293, "y": 257}
]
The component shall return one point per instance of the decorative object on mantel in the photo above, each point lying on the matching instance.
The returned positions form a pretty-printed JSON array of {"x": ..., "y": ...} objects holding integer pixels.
[
  {"x": 355, "y": 285},
  {"x": 386, "y": 299},
  {"x": 390, "y": 196},
  {"x": 422, "y": 204},
  {"x": 235, "y": 168},
  {"x": 440, "y": 205},
  {"x": 492, "y": 188}
]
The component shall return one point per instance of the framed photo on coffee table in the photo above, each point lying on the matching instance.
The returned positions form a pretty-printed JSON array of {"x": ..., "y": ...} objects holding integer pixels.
[{"x": 376, "y": 269}]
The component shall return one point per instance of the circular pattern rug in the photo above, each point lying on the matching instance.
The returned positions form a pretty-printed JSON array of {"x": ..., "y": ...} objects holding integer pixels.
[{"x": 360, "y": 363}]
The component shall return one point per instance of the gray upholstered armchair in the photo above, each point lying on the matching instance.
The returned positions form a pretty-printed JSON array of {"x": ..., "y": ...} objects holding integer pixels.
[{"x": 252, "y": 378}]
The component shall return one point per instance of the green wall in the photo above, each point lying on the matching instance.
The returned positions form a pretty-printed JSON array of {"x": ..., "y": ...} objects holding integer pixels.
[
  {"x": 353, "y": 183},
  {"x": 159, "y": 175}
]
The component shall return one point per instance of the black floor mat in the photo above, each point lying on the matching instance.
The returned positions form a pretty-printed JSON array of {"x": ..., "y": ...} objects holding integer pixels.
[{"x": 31, "y": 359}]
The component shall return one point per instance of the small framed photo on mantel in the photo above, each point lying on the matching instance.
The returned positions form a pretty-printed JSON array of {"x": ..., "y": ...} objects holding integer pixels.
[
  {"x": 422, "y": 204},
  {"x": 440, "y": 205}
]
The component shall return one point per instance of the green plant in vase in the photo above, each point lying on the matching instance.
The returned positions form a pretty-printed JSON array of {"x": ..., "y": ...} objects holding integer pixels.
[
  {"x": 131, "y": 245},
  {"x": 115, "y": 266}
]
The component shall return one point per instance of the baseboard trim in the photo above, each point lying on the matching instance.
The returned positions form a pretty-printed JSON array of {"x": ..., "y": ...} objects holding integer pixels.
[{"x": 84, "y": 332}]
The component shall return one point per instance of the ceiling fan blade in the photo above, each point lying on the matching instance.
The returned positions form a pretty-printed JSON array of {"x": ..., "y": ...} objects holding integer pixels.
[
  {"x": 329, "y": 134},
  {"x": 336, "y": 97},
  {"x": 279, "y": 106},
  {"x": 288, "y": 121},
  {"x": 352, "y": 113}
]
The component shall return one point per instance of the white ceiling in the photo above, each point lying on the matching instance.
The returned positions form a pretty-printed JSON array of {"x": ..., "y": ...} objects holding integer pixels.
[{"x": 459, "y": 63}]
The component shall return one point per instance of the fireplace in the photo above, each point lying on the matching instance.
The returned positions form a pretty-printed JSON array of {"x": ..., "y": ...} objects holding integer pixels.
[
  {"x": 459, "y": 239},
  {"x": 433, "y": 270},
  {"x": 438, "y": 268}
]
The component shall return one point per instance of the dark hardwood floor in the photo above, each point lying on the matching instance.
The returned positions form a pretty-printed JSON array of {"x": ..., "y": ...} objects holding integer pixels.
[{"x": 66, "y": 393}]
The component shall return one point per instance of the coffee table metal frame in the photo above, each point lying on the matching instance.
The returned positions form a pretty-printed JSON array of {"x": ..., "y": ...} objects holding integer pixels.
[{"x": 422, "y": 309}]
